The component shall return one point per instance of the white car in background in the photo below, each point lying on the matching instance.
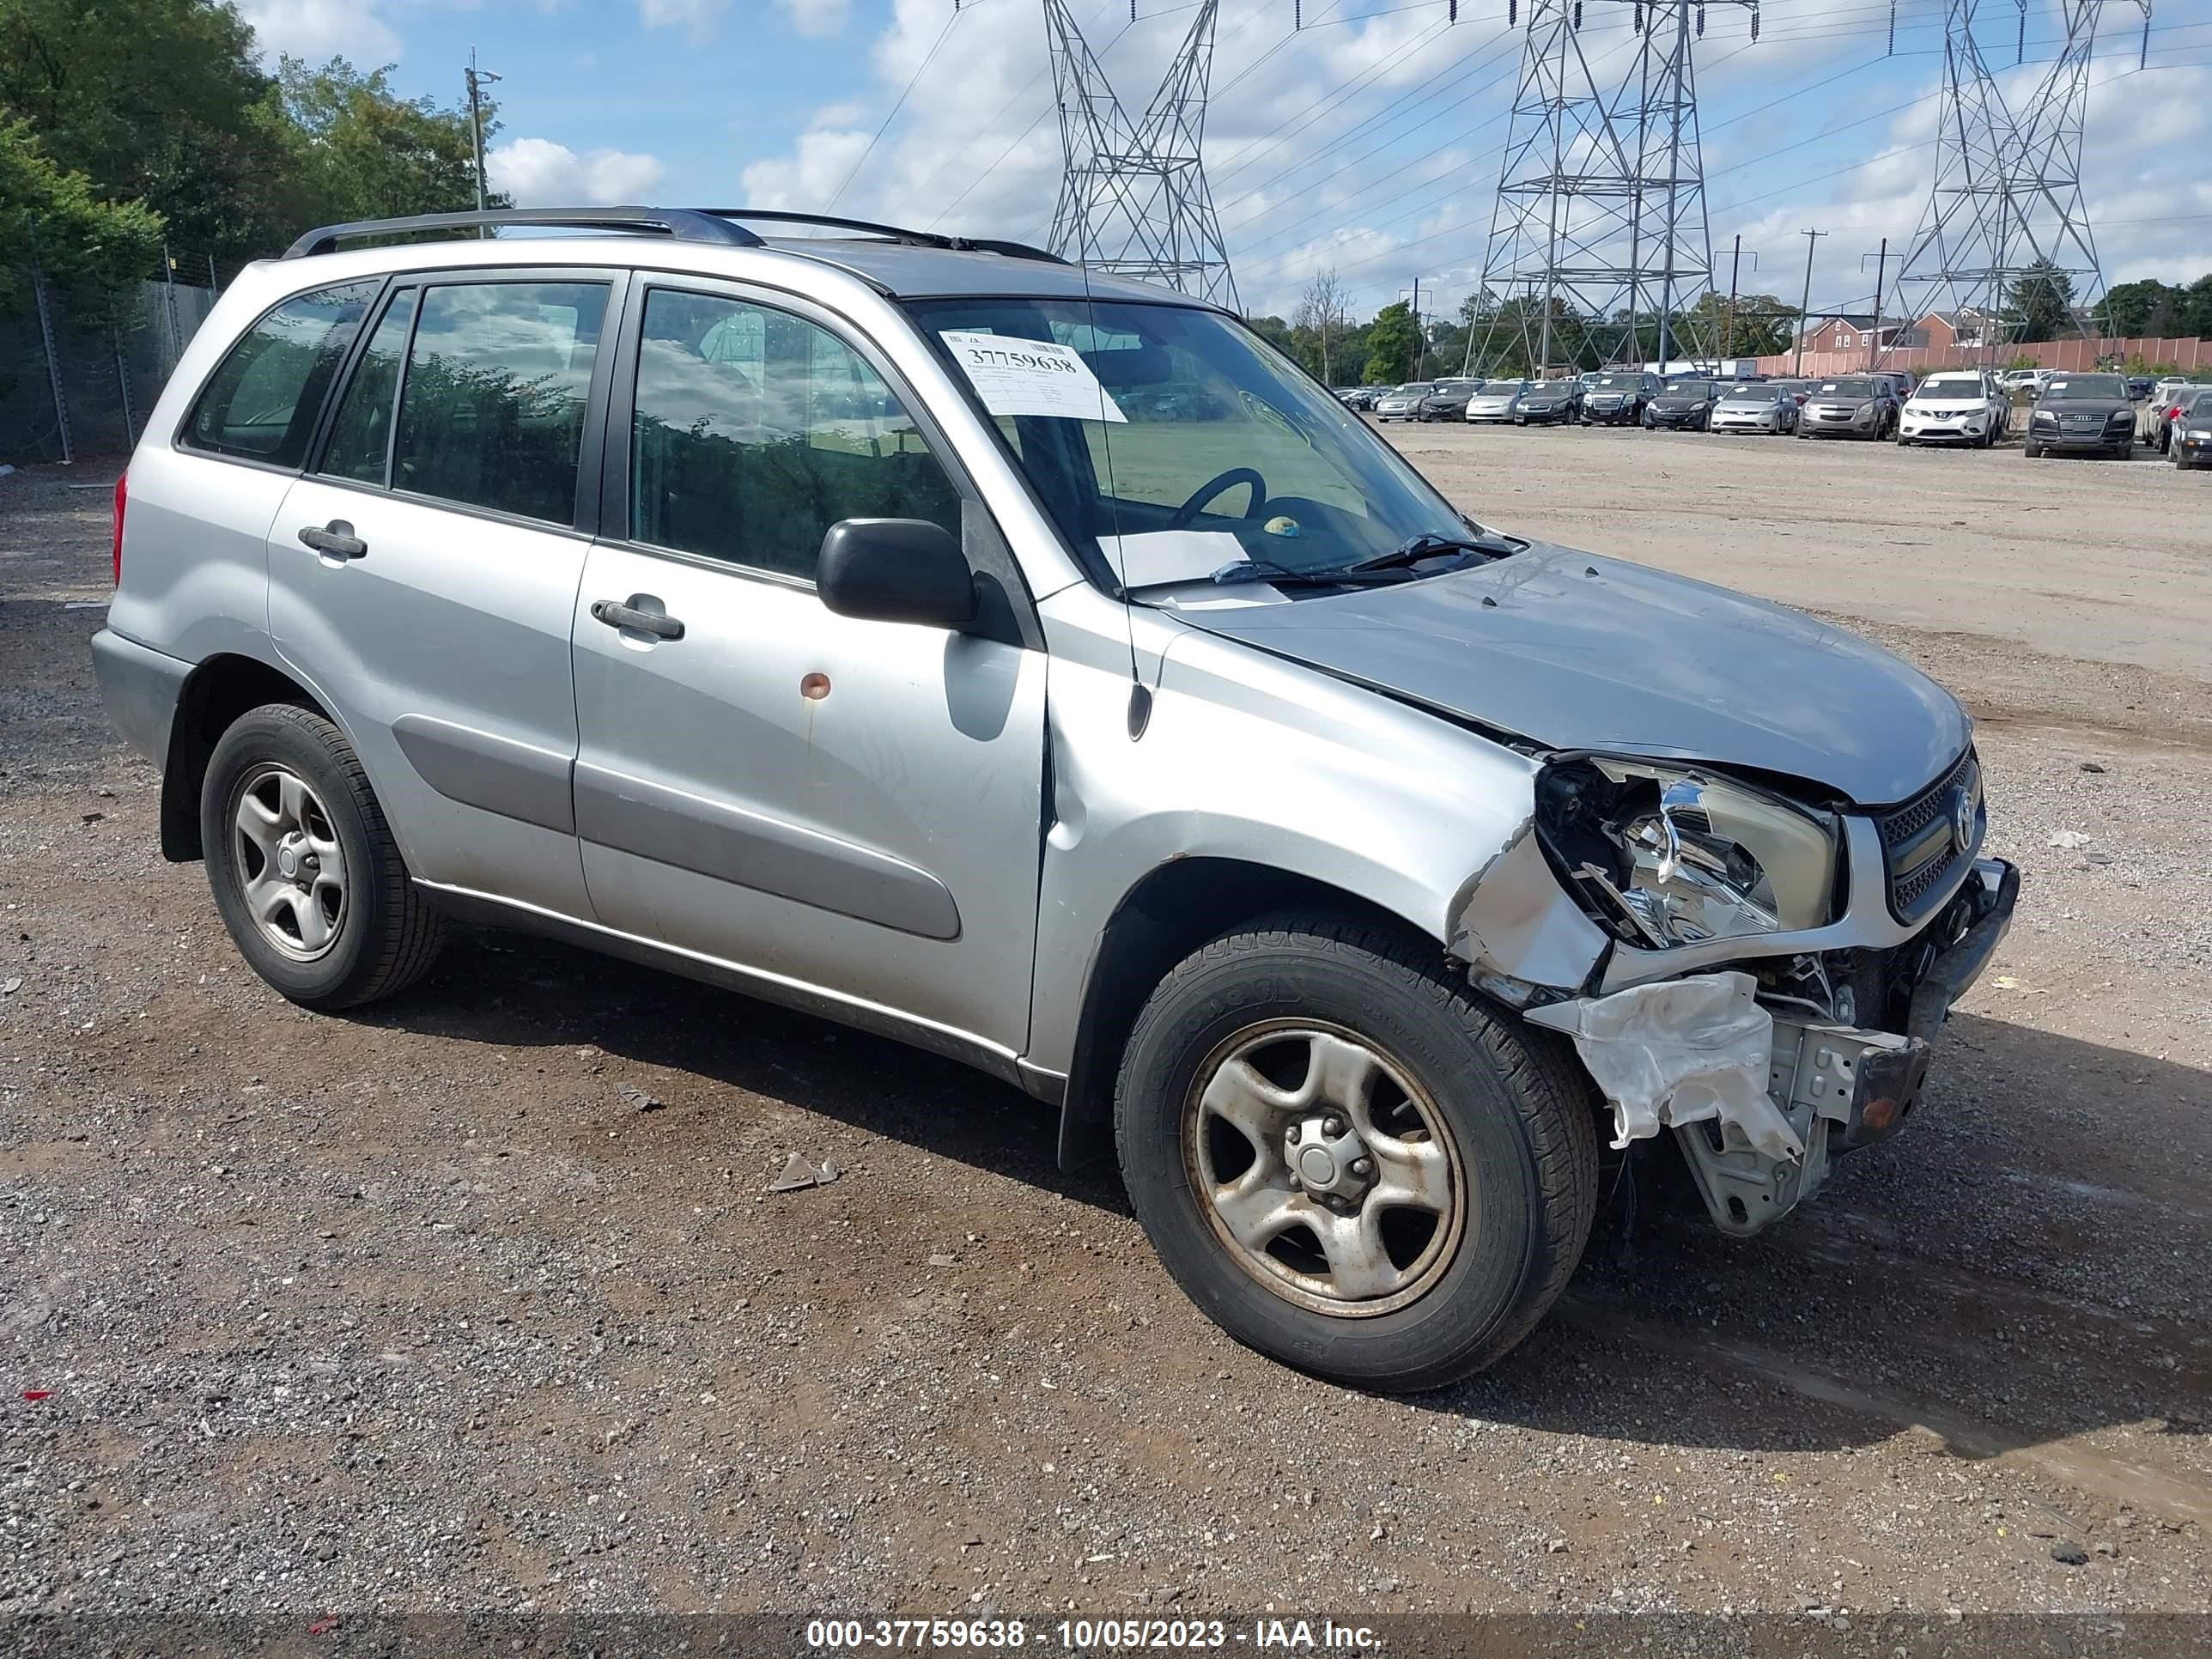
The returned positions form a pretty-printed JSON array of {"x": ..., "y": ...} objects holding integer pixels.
[{"x": 1955, "y": 406}]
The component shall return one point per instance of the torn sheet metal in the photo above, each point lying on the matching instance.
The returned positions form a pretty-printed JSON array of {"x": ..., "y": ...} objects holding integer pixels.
[
  {"x": 1681, "y": 1051},
  {"x": 1512, "y": 923}
]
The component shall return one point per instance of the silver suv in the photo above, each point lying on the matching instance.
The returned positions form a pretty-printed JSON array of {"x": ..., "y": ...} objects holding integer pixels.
[{"x": 1039, "y": 668}]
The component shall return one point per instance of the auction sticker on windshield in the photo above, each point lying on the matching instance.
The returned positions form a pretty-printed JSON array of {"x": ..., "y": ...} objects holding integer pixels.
[{"x": 1031, "y": 377}]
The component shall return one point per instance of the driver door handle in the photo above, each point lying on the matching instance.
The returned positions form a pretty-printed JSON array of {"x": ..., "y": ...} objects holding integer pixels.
[
  {"x": 615, "y": 613},
  {"x": 335, "y": 540}
]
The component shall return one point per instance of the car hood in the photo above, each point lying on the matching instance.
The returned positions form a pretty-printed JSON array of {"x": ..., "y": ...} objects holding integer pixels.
[
  {"x": 1677, "y": 406},
  {"x": 1575, "y": 651},
  {"x": 2106, "y": 407}
]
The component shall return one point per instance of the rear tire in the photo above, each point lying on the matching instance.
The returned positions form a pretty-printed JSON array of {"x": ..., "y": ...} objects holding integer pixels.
[
  {"x": 1499, "y": 1117},
  {"x": 2032, "y": 453},
  {"x": 285, "y": 792}
]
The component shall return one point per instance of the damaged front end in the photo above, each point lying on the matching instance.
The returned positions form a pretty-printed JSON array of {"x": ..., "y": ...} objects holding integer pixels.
[{"x": 1767, "y": 976}]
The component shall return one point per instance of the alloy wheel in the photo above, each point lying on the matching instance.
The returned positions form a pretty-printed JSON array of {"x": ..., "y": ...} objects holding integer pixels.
[
  {"x": 1327, "y": 1173},
  {"x": 290, "y": 866}
]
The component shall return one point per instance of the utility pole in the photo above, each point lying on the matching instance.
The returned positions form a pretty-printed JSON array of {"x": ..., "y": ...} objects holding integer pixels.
[
  {"x": 477, "y": 79},
  {"x": 1880, "y": 270},
  {"x": 1805, "y": 306},
  {"x": 1420, "y": 340},
  {"x": 1735, "y": 269}
]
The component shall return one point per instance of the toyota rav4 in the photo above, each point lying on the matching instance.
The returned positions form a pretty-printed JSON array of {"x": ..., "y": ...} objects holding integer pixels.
[{"x": 1038, "y": 668}]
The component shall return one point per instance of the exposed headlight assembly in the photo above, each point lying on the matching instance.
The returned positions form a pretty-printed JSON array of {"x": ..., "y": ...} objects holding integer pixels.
[{"x": 1664, "y": 855}]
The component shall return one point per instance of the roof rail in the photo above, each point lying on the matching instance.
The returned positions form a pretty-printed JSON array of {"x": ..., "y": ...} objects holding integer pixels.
[
  {"x": 888, "y": 232},
  {"x": 685, "y": 224}
]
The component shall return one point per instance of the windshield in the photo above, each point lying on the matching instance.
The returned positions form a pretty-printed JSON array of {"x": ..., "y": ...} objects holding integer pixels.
[
  {"x": 1503, "y": 388},
  {"x": 1619, "y": 382},
  {"x": 1690, "y": 389},
  {"x": 2086, "y": 385},
  {"x": 1209, "y": 447},
  {"x": 1949, "y": 385},
  {"x": 1847, "y": 389},
  {"x": 1415, "y": 389}
]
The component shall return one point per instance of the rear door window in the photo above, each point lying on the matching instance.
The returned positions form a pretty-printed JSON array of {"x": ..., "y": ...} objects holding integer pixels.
[
  {"x": 360, "y": 440},
  {"x": 491, "y": 413},
  {"x": 262, "y": 401}
]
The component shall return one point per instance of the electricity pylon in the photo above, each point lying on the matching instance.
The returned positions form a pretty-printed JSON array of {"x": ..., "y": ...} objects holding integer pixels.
[
  {"x": 1132, "y": 194},
  {"x": 2006, "y": 211},
  {"x": 1600, "y": 216}
]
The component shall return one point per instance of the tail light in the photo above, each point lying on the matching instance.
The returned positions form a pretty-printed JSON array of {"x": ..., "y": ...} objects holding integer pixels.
[{"x": 121, "y": 495}]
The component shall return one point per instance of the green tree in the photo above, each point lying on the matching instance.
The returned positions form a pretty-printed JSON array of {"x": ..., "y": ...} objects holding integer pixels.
[
  {"x": 360, "y": 151},
  {"x": 1392, "y": 343},
  {"x": 2196, "y": 317},
  {"x": 2130, "y": 310},
  {"x": 153, "y": 101},
  {"x": 53, "y": 223},
  {"x": 2043, "y": 300},
  {"x": 1758, "y": 325}
]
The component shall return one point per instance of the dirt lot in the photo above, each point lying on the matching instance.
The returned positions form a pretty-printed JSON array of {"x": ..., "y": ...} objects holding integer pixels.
[{"x": 424, "y": 1309}]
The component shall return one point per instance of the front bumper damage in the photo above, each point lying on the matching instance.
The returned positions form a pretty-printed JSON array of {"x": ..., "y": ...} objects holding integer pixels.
[{"x": 1761, "y": 1094}]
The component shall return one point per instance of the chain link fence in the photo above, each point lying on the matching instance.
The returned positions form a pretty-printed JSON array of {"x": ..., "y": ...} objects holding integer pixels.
[{"x": 70, "y": 388}]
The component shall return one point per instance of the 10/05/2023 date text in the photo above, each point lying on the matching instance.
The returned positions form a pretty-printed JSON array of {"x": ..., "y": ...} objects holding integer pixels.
[{"x": 1086, "y": 1635}]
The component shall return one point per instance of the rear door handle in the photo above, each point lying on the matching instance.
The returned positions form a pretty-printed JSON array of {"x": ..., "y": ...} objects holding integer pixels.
[
  {"x": 657, "y": 623},
  {"x": 335, "y": 540}
]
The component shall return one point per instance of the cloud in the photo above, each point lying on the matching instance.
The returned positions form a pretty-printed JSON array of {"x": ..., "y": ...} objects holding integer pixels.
[
  {"x": 818, "y": 18},
  {"x": 536, "y": 172},
  {"x": 696, "y": 17},
  {"x": 321, "y": 29},
  {"x": 1373, "y": 146}
]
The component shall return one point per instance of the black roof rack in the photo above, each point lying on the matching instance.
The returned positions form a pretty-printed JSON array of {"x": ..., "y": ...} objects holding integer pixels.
[
  {"x": 888, "y": 232},
  {"x": 686, "y": 224}
]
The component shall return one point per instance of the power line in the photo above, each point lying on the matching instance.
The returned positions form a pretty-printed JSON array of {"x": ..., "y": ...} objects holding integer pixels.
[{"x": 928, "y": 57}]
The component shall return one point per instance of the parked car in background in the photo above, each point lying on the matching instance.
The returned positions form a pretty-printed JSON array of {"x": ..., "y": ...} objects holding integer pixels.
[
  {"x": 2190, "y": 444},
  {"x": 1403, "y": 403},
  {"x": 1448, "y": 402},
  {"x": 2023, "y": 380},
  {"x": 424, "y": 611},
  {"x": 1498, "y": 400},
  {"x": 2139, "y": 388},
  {"x": 1799, "y": 390},
  {"x": 1682, "y": 406},
  {"x": 1550, "y": 403},
  {"x": 1617, "y": 398},
  {"x": 1850, "y": 406},
  {"x": 2079, "y": 412},
  {"x": 2154, "y": 417},
  {"x": 1762, "y": 406},
  {"x": 1955, "y": 406}
]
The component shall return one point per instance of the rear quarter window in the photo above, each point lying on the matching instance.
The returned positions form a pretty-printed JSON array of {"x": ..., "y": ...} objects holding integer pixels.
[{"x": 262, "y": 401}]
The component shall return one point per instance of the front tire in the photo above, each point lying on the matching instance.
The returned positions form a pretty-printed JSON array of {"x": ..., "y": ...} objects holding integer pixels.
[
  {"x": 1446, "y": 1159},
  {"x": 306, "y": 873}
]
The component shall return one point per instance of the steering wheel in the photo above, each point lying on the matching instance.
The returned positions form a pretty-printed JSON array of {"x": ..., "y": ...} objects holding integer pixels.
[{"x": 1214, "y": 486}]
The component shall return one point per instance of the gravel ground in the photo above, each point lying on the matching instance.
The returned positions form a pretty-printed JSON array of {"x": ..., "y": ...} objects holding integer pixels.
[{"x": 477, "y": 1300}]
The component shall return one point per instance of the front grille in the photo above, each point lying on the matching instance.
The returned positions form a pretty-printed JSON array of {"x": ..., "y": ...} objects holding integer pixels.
[{"x": 1921, "y": 845}]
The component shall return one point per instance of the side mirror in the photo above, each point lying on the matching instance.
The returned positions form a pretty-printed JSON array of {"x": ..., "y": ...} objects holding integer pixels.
[{"x": 904, "y": 570}]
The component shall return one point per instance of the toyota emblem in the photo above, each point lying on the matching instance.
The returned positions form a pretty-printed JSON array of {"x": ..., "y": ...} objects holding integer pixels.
[{"x": 1962, "y": 818}]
